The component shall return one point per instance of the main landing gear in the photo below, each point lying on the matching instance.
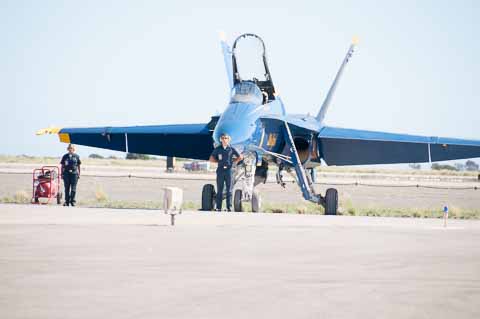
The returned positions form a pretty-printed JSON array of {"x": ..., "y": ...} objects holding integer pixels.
[
  {"x": 208, "y": 197},
  {"x": 306, "y": 179},
  {"x": 331, "y": 201},
  {"x": 256, "y": 201}
]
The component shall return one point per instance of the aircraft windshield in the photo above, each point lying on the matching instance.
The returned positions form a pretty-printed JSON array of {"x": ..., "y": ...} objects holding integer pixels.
[{"x": 247, "y": 92}]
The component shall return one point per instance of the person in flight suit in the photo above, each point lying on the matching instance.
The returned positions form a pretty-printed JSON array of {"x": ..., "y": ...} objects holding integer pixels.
[
  {"x": 225, "y": 155},
  {"x": 70, "y": 173}
]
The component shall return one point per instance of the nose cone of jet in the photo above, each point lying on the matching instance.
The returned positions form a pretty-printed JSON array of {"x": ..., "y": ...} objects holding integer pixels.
[{"x": 239, "y": 132}]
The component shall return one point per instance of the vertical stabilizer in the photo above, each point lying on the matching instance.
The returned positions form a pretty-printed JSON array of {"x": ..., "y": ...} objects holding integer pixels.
[
  {"x": 227, "y": 56},
  {"x": 323, "y": 110}
]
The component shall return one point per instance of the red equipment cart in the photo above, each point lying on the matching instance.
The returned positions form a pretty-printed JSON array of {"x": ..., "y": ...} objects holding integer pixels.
[{"x": 46, "y": 185}]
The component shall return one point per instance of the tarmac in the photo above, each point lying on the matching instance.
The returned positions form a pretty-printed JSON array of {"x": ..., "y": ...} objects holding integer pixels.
[{"x": 63, "y": 262}]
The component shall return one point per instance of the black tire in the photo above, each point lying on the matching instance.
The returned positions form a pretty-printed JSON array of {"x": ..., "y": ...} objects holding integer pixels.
[
  {"x": 59, "y": 198},
  {"x": 331, "y": 202},
  {"x": 208, "y": 197},
  {"x": 256, "y": 202},
  {"x": 237, "y": 200}
]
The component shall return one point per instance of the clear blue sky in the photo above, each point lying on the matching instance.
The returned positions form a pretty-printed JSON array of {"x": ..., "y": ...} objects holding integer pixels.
[{"x": 95, "y": 63}]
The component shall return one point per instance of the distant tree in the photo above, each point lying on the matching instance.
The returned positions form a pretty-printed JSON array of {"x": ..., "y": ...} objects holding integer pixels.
[
  {"x": 471, "y": 166},
  {"x": 95, "y": 156},
  {"x": 459, "y": 166},
  {"x": 436, "y": 166},
  {"x": 136, "y": 156},
  {"x": 112, "y": 157},
  {"x": 415, "y": 166}
]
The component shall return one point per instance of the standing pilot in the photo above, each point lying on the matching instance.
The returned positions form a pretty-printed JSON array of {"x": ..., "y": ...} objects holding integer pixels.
[
  {"x": 71, "y": 173},
  {"x": 225, "y": 156}
]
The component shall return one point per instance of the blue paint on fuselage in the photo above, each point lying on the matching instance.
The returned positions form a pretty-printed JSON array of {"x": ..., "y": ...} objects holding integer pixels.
[
  {"x": 255, "y": 127},
  {"x": 241, "y": 122},
  {"x": 241, "y": 119},
  {"x": 258, "y": 128}
]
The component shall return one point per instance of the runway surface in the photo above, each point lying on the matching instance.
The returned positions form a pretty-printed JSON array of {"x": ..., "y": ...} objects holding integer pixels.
[{"x": 60, "y": 262}]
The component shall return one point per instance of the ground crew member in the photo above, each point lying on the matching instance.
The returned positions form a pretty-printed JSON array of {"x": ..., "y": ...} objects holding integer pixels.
[
  {"x": 225, "y": 156},
  {"x": 70, "y": 173}
]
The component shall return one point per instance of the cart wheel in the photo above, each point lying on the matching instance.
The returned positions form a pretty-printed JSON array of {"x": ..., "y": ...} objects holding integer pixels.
[{"x": 59, "y": 198}]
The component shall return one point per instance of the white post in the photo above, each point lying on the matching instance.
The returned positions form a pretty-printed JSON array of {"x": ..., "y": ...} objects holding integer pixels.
[{"x": 172, "y": 202}]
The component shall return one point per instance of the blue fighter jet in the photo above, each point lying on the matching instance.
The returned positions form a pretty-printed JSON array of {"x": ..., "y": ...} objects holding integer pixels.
[{"x": 266, "y": 135}]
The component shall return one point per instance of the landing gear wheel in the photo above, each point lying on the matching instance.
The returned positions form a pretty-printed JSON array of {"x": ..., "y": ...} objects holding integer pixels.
[
  {"x": 59, "y": 198},
  {"x": 237, "y": 200},
  {"x": 331, "y": 201},
  {"x": 256, "y": 202},
  {"x": 208, "y": 197}
]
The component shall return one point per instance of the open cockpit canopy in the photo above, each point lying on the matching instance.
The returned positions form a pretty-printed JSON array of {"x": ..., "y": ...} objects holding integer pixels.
[{"x": 249, "y": 63}]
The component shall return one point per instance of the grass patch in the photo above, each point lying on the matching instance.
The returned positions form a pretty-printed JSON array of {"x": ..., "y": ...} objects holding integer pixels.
[
  {"x": 100, "y": 195},
  {"x": 455, "y": 212},
  {"x": 346, "y": 208},
  {"x": 20, "y": 197},
  {"x": 121, "y": 204},
  {"x": 292, "y": 208},
  {"x": 190, "y": 205}
]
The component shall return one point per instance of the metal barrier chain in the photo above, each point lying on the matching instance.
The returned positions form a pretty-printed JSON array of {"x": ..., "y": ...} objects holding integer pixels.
[{"x": 317, "y": 183}]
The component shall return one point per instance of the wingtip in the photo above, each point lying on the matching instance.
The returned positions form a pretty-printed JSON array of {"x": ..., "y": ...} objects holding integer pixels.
[
  {"x": 48, "y": 130},
  {"x": 40, "y": 132},
  {"x": 222, "y": 35},
  {"x": 355, "y": 40}
]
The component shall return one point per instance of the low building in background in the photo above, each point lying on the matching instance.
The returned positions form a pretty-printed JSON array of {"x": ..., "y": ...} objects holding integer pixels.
[{"x": 197, "y": 166}]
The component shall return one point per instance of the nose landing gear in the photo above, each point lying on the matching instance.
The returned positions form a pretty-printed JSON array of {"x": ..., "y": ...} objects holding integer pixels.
[
  {"x": 256, "y": 201},
  {"x": 246, "y": 181},
  {"x": 237, "y": 200}
]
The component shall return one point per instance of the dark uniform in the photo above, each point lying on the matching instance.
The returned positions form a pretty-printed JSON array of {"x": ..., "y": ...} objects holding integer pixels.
[
  {"x": 70, "y": 164},
  {"x": 224, "y": 156}
]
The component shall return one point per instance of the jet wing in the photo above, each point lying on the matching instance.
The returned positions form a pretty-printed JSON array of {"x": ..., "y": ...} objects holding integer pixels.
[
  {"x": 340, "y": 146},
  {"x": 182, "y": 140}
]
